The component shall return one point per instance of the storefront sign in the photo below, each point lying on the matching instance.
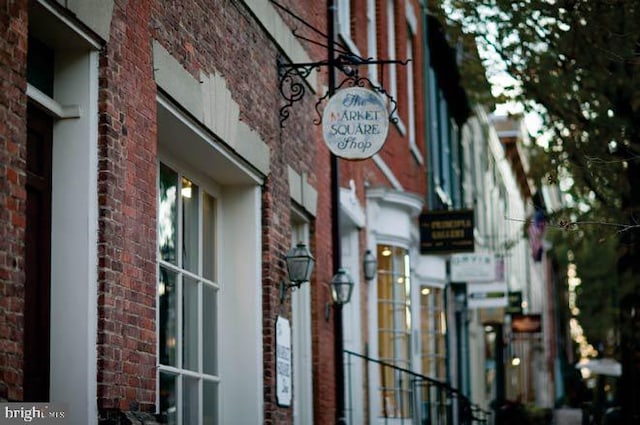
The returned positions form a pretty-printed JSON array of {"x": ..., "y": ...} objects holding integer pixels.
[
  {"x": 355, "y": 123},
  {"x": 443, "y": 232},
  {"x": 486, "y": 295},
  {"x": 515, "y": 303},
  {"x": 283, "y": 361},
  {"x": 473, "y": 267},
  {"x": 526, "y": 323}
]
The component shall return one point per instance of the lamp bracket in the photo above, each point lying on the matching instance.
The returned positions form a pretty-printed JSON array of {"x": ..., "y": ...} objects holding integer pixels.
[
  {"x": 292, "y": 76},
  {"x": 286, "y": 286}
]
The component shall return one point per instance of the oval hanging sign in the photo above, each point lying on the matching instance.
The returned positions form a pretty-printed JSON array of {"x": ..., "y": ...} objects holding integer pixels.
[{"x": 355, "y": 123}]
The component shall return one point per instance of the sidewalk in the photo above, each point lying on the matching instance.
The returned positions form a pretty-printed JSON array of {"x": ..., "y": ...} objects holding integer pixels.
[{"x": 567, "y": 416}]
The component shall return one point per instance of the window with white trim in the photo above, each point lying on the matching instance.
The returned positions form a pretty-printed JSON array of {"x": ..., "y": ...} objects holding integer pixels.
[
  {"x": 187, "y": 301},
  {"x": 394, "y": 328},
  {"x": 433, "y": 332}
]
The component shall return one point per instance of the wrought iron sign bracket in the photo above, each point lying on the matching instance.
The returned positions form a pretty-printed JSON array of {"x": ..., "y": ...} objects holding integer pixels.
[
  {"x": 292, "y": 76},
  {"x": 293, "y": 85}
]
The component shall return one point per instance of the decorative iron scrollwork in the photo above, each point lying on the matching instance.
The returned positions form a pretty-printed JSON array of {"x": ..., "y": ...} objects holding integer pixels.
[
  {"x": 293, "y": 88},
  {"x": 292, "y": 76},
  {"x": 292, "y": 85},
  {"x": 356, "y": 81}
]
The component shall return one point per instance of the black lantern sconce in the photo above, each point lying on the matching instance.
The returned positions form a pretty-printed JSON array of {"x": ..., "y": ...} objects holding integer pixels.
[
  {"x": 370, "y": 265},
  {"x": 341, "y": 290},
  {"x": 299, "y": 268}
]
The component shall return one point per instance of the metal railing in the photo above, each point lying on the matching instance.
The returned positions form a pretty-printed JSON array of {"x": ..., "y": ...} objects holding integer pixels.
[{"x": 409, "y": 398}]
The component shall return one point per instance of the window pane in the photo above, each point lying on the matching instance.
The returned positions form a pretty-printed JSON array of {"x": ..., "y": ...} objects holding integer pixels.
[
  {"x": 168, "y": 316},
  {"x": 208, "y": 237},
  {"x": 167, "y": 218},
  {"x": 168, "y": 399},
  {"x": 190, "y": 324},
  {"x": 209, "y": 403},
  {"x": 210, "y": 328},
  {"x": 190, "y": 206},
  {"x": 190, "y": 405}
]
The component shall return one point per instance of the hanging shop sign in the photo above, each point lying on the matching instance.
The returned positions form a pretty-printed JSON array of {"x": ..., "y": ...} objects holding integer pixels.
[
  {"x": 355, "y": 123},
  {"x": 486, "y": 295},
  {"x": 443, "y": 232},
  {"x": 526, "y": 323},
  {"x": 283, "y": 361},
  {"x": 473, "y": 267},
  {"x": 515, "y": 303}
]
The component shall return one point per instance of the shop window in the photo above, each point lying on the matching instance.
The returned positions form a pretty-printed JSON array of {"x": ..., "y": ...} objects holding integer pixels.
[
  {"x": 187, "y": 300},
  {"x": 394, "y": 329},
  {"x": 433, "y": 332}
]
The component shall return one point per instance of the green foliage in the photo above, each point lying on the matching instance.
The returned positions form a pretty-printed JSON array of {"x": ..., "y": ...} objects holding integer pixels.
[{"x": 577, "y": 64}]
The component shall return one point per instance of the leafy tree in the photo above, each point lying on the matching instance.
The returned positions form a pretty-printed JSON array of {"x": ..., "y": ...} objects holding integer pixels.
[{"x": 577, "y": 63}]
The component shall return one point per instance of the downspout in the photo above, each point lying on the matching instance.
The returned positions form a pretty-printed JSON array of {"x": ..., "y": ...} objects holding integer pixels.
[{"x": 426, "y": 64}]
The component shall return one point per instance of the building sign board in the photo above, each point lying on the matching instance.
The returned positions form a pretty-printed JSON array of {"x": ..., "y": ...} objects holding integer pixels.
[
  {"x": 355, "y": 123},
  {"x": 515, "y": 303},
  {"x": 526, "y": 323},
  {"x": 444, "y": 232},
  {"x": 283, "y": 362},
  {"x": 486, "y": 295},
  {"x": 473, "y": 267}
]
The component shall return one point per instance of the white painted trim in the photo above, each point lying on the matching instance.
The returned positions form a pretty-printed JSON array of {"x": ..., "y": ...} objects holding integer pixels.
[
  {"x": 410, "y": 14},
  {"x": 388, "y": 173},
  {"x": 80, "y": 32},
  {"x": 302, "y": 192},
  {"x": 74, "y": 240},
  {"x": 208, "y": 139},
  {"x": 50, "y": 106},
  {"x": 350, "y": 207},
  {"x": 210, "y": 103}
]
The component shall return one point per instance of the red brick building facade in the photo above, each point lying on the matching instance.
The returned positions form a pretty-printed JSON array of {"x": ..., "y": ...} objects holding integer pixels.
[{"x": 149, "y": 195}]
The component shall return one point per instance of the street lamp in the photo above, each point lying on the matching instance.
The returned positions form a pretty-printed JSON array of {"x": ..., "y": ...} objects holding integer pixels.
[
  {"x": 370, "y": 265},
  {"x": 299, "y": 268}
]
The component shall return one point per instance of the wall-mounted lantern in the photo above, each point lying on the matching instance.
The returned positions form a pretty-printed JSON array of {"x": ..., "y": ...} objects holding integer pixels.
[
  {"x": 370, "y": 265},
  {"x": 341, "y": 290},
  {"x": 299, "y": 268}
]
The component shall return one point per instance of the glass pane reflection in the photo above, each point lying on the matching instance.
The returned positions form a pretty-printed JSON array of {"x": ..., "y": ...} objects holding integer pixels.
[
  {"x": 190, "y": 207},
  {"x": 168, "y": 316},
  {"x": 167, "y": 235},
  {"x": 168, "y": 408},
  {"x": 190, "y": 324}
]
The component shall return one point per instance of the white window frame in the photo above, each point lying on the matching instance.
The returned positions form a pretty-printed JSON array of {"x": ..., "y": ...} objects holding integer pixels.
[
  {"x": 179, "y": 371},
  {"x": 397, "y": 328},
  {"x": 183, "y": 143}
]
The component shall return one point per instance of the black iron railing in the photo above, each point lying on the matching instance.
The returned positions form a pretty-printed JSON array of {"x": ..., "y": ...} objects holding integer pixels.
[{"x": 409, "y": 398}]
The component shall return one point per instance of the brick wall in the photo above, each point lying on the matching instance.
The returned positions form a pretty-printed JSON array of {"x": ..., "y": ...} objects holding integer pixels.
[
  {"x": 127, "y": 224},
  {"x": 13, "y": 103},
  {"x": 219, "y": 36}
]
